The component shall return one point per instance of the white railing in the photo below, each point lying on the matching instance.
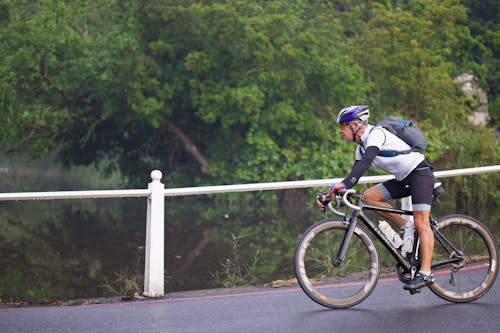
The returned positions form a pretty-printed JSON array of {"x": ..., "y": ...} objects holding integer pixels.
[{"x": 156, "y": 193}]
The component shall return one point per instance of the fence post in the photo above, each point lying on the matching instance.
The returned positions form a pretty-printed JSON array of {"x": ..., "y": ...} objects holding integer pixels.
[{"x": 154, "y": 261}]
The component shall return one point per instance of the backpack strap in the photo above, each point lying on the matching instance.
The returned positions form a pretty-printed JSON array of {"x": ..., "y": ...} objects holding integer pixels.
[
  {"x": 389, "y": 152},
  {"x": 393, "y": 153}
]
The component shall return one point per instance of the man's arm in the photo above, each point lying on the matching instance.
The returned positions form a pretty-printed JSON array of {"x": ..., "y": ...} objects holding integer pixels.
[{"x": 361, "y": 166}]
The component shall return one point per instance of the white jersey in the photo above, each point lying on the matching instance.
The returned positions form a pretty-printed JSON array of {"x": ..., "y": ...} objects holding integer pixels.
[{"x": 400, "y": 165}]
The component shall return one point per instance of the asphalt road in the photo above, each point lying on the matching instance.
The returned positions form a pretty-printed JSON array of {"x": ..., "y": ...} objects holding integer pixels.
[{"x": 388, "y": 309}]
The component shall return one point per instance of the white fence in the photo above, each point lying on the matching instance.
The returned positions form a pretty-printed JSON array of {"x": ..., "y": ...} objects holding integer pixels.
[{"x": 156, "y": 193}]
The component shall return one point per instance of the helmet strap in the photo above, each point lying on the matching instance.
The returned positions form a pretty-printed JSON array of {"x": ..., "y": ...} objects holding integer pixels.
[{"x": 355, "y": 133}]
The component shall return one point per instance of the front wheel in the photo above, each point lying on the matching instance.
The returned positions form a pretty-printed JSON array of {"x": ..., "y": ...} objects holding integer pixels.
[
  {"x": 336, "y": 286},
  {"x": 476, "y": 267}
]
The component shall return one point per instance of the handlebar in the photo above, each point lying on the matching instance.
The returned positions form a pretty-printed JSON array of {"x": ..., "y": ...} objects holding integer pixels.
[
  {"x": 341, "y": 199},
  {"x": 345, "y": 198},
  {"x": 337, "y": 212}
]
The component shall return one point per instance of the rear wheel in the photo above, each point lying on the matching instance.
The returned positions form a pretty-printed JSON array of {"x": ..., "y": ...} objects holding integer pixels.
[
  {"x": 334, "y": 286},
  {"x": 473, "y": 275}
]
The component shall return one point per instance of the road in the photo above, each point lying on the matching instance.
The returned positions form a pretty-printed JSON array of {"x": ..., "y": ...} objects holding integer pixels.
[{"x": 266, "y": 310}]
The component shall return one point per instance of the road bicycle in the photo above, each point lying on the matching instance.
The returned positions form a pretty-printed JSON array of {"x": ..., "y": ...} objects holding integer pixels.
[{"x": 338, "y": 265}]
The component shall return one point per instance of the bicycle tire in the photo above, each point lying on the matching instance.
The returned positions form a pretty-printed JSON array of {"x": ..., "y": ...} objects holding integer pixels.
[
  {"x": 477, "y": 272},
  {"x": 330, "y": 286}
]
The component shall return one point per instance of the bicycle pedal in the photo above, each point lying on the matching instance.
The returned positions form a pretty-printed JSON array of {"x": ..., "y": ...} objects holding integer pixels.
[{"x": 415, "y": 291}]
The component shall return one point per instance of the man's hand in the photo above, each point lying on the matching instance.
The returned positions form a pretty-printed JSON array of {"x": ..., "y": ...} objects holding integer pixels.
[{"x": 321, "y": 201}]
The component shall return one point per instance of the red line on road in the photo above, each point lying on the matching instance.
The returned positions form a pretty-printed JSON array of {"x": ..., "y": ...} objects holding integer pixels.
[
  {"x": 222, "y": 296},
  {"x": 296, "y": 289}
]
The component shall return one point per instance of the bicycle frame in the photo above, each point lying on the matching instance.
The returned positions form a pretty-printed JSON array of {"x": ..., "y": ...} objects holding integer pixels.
[{"x": 409, "y": 265}]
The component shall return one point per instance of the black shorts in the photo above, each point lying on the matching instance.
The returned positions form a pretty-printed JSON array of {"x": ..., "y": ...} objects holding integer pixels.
[{"x": 419, "y": 184}]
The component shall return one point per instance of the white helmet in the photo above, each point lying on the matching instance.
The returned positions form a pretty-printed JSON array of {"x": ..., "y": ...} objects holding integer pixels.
[{"x": 353, "y": 112}]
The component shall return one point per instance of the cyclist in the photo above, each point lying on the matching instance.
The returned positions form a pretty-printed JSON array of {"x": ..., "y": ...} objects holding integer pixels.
[{"x": 413, "y": 176}]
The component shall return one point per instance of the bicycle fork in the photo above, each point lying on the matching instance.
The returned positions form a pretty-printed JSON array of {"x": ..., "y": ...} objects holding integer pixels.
[{"x": 351, "y": 222}]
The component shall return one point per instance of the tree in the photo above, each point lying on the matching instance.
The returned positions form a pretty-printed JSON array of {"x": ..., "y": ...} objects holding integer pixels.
[
  {"x": 178, "y": 85},
  {"x": 222, "y": 91},
  {"x": 62, "y": 74},
  {"x": 483, "y": 20},
  {"x": 405, "y": 54}
]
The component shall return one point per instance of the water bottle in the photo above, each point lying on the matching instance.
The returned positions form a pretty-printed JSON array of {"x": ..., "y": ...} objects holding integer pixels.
[
  {"x": 391, "y": 235},
  {"x": 408, "y": 237}
]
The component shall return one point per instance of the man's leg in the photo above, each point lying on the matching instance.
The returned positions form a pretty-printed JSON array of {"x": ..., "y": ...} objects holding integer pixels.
[
  {"x": 374, "y": 196},
  {"x": 424, "y": 276},
  {"x": 422, "y": 184},
  {"x": 421, "y": 220}
]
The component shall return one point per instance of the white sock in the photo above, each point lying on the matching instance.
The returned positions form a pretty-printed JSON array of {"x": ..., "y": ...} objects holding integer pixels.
[{"x": 426, "y": 273}]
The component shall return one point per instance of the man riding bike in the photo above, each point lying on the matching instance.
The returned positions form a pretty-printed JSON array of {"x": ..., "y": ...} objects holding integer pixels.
[{"x": 413, "y": 177}]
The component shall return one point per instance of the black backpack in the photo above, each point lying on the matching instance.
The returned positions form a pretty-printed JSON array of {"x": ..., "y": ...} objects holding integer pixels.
[{"x": 406, "y": 131}]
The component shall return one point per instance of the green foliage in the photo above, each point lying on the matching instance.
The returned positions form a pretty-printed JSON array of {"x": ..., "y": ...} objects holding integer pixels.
[
  {"x": 259, "y": 79},
  {"x": 494, "y": 110},
  {"x": 64, "y": 68},
  {"x": 248, "y": 91},
  {"x": 484, "y": 23},
  {"x": 126, "y": 283},
  {"x": 234, "y": 271},
  {"x": 260, "y": 76},
  {"x": 405, "y": 53}
]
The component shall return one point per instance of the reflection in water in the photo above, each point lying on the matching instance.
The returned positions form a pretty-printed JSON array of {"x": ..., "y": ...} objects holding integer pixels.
[{"x": 64, "y": 249}]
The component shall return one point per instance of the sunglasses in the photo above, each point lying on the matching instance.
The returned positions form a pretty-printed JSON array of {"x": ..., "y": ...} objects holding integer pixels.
[{"x": 343, "y": 125}]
